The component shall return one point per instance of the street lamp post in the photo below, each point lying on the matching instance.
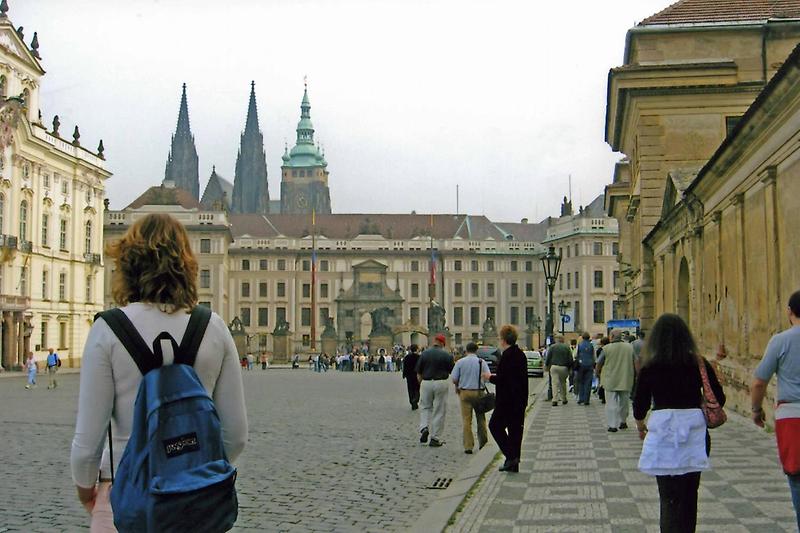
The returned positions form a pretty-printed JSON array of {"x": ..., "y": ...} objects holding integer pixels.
[
  {"x": 562, "y": 307},
  {"x": 550, "y": 264}
]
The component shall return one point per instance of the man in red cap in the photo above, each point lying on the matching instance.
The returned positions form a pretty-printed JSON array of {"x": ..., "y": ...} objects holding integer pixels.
[{"x": 433, "y": 370}]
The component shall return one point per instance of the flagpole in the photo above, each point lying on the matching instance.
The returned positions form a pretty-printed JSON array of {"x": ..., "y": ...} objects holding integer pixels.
[
  {"x": 313, "y": 280},
  {"x": 432, "y": 270}
]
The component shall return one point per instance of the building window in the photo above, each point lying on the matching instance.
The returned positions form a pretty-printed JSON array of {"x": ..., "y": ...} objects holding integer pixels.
[
  {"x": 23, "y": 281},
  {"x": 730, "y": 124},
  {"x": 458, "y": 289},
  {"x": 615, "y": 248},
  {"x": 306, "y": 265},
  {"x": 561, "y": 282},
  {"x": 23, "y": 220},
  {"x": 45, "y": 229},
  {"x": 245, "y": 265},
  {"x": 64, "y": 186},
  {"x": 88, "y": 288},
  {"x": 569, "y": 249},
  {"x": 324, "y": 266},
  {"x": 87, "y": 238},
  {"x": 577, "y": 281},
  {"x": 616, "y": 309},
  {"x": 569, "y": 279},
  {"x": 598, "y": 248},
  {"x": 529, "y": 315},
  {"x": 45, "y": 285},
  {"x": 474, "y": 265},
  {"x": 515, "y": 315},
  {"x": 62, "y": 335},
  {"x": 457, "y": 265},
  {"x": 263, "y": 316},
  {"x": 415, "y": 290},
  {"x": 262, "y": 289},
  {"x": 323, "y": 290},
  {"x": 577, "y": 250},
  {"x": 490, "y": 290},
  {"x": 281, "y": 289},
  {"x": 306, "y": 290},
  {"x": 281, "y": 264},
  {"x": 62, "y": 286},
  {"x": 245, "y": 289},
  {"x": 46, "y": 180},
  {"x": 528, "y": 266},
  {"x": 474, "y": 290},
  {"x": 529, "y": 290},
  {"x": 514, "y": 266},
  {"x": 458, "y": 339},
  {"x": 598, "y": 279},
  {"x": 615, "y": 279},
  {"x": 490, "y": 312},
  {"x": 577, "y": 308},
  {"x": 458, "y": 316},
  {"x": 474, "y": 316},
  {"x": 244, "y": 316},
  {"x": 490, "y": 266},
  {"x": 514, "y": 290},
  {"x": 62, "y": 236},
  {"x": 205, "y": 279},
  {"x": 305, "y": 316},
  {"x": 205, "y": 246},
  {"x": 43, "y": 334},
  {"x": 324, "y": 314},
  {"x": 414, "y": 315},
  {"x": 262, "y": 264},
  {"x": 415, "y": 266},
  {"x": 599, "y": 312},
  {"x": 280, "y": 315},
  {"x": 306, "y": 337}
]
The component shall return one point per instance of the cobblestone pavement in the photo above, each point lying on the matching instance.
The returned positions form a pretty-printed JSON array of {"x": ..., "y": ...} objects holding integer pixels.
[
  {"x": 577, "y": 477},
  {"x": 327, "y": 452}
]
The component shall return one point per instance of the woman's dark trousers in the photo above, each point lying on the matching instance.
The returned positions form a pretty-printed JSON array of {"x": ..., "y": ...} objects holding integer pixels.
[{"x": 678, "y": 495}]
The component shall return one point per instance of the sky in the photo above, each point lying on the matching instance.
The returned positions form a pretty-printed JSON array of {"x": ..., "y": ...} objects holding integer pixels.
[{"x": 410, "y": 98}]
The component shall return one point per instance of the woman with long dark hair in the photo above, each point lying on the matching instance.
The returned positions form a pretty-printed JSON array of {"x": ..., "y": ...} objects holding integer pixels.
[{"x": 676, "y": 441}]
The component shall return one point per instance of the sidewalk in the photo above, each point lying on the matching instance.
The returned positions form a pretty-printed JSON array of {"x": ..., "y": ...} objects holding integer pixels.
[{"x": 577, "y": 477}]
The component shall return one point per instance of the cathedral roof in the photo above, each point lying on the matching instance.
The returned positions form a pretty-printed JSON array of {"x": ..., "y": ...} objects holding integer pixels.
[
  {"x": 164, "y": 195},
  {"x": 305, "y": 153},
  {"x": 217, "y": 189},
  {"x": 349, "y": 226},
  {"x": 729, "y": 11}
]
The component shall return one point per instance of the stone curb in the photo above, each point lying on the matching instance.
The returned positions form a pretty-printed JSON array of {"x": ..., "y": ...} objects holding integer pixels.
[{"x": 445, "y": 504}]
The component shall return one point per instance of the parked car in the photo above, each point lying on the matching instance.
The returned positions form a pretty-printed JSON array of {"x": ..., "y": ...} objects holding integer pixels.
[
  {"x": 491, "y": 355},
  {"x": 535, "y": 363}
]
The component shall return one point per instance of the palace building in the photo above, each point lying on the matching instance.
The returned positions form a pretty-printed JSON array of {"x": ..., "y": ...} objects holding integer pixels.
[{"x": 51, "y": 215}]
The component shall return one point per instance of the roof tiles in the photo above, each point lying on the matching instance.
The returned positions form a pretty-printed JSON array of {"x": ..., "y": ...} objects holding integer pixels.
[{"x": 731, "y": 11}]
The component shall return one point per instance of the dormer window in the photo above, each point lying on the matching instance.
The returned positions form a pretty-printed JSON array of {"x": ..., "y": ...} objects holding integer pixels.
[{"x": 26, "y": 171}]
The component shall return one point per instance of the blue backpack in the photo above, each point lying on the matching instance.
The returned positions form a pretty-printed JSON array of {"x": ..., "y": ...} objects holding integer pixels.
[{"x": 174, "y": 475}]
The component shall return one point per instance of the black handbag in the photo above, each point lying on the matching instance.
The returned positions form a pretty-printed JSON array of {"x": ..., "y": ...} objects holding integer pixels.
[{"x": 487, "y": 400}]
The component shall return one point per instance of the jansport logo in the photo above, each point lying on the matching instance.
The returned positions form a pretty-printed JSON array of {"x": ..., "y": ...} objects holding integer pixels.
[{"x": 180, "y": 445}]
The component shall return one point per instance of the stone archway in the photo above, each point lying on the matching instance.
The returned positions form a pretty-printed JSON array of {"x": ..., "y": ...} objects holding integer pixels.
[{"x": 683, "y": 306}]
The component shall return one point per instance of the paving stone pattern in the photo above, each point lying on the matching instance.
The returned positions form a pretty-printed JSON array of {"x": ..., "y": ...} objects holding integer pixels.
[
  {"x": 577, "y": 477},
  {"x": 327, "y": 452}
]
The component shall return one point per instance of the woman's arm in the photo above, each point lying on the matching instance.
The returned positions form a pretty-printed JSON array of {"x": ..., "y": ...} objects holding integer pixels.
[
  {"x": 229, "y": 395},
  {"x": 643, "y": 396}
]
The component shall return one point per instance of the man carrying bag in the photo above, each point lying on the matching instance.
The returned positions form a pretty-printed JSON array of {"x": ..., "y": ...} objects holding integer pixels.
[{"x": 470, "y": 375}]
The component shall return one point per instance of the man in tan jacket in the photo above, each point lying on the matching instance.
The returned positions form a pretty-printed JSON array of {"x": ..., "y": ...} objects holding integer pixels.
[{"x": 617, "y": 371}]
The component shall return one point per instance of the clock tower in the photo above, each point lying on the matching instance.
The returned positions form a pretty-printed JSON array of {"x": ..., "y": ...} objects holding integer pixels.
[{"x": 304, "y": 173}]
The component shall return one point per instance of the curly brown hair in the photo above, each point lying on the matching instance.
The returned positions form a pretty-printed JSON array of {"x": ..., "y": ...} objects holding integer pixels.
[{"x": 155, "y": 264}]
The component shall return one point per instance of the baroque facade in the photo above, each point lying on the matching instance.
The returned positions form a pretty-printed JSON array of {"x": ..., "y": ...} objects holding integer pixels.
[
  {"x": 257, "y": 268},
  {"x": 689, "y": 74},
  {"x": 51, "y": 204}
]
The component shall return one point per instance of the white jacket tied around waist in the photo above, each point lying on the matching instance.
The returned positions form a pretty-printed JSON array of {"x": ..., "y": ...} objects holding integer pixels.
[{"x": 675, "y": 443}]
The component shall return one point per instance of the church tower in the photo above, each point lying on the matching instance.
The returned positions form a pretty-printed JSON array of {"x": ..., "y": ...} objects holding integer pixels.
[
  {"x": 304, "y": 173},
  {"x": 182, "y": 167},
  {"x": 250, "y": 186}
]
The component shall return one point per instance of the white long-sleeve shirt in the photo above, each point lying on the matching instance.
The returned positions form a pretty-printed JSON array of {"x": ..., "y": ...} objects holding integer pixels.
[{"x": 110, "y": 380}]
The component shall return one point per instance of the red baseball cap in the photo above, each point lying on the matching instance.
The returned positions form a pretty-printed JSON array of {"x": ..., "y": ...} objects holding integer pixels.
[{"x": 441, "y": 339}]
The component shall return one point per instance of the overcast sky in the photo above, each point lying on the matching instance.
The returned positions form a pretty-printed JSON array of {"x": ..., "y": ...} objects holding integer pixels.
[{"x": 409, "y": 97}]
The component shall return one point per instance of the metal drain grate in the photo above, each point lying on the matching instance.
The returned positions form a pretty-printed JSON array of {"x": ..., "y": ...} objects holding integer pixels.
[{"x": 440, "y": 483}]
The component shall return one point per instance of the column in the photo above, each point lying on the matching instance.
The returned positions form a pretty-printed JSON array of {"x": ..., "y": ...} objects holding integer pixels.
[
  {"x": 744, "y": 326},
  {"x": 6, "y": 328},
  {"x": 19, "y": 327},
  {"x": 773, "y": 272}
]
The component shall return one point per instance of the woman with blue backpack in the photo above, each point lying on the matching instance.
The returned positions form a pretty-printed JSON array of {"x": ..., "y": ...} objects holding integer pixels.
[{"x": 161, "y": 409}]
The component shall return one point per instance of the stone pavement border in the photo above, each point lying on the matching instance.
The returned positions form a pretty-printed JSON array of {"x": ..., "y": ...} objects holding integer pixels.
[{"x": 447, "y": 504}]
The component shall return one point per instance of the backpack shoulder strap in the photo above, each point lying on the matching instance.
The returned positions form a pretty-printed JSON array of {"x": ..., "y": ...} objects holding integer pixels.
[
  {"x": 130, "y": 338},
  {"x": 195, "y": 331}
]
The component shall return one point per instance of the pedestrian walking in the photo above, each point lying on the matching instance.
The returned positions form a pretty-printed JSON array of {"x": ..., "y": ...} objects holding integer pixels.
[
  {"x": 511, "y": 386},
  {"x": 53, "y": 364},
  {"x": 676, "y": 440},
  {"x": 616, "y": 369},
  {"x": 31, "y": 369},
  {"x": 558, "y": 363},
  {"x": 264, "y": 360},
  {"x": 433, "y": 370},
  {"x": 585, "y": 369},
  {"x": 156, "y": 286},
  {"x": 470, "y": 376},
  {"x": 410, "y": 375},
  {"x": 782, "y": 358}
]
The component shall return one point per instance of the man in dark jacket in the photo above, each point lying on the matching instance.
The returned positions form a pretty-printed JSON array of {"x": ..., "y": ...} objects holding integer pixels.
[
  {"x": 410, "y": 374},
  {"x": 511, "y": 381}
]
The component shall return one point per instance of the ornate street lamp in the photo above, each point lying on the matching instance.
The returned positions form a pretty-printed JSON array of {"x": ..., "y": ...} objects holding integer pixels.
[{"x": 551, "y": 262}]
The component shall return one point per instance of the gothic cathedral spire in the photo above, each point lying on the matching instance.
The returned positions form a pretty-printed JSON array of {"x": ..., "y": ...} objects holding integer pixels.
[
  {"x": 250, "y": 185},
  {"x": 182, "y": 163}
]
